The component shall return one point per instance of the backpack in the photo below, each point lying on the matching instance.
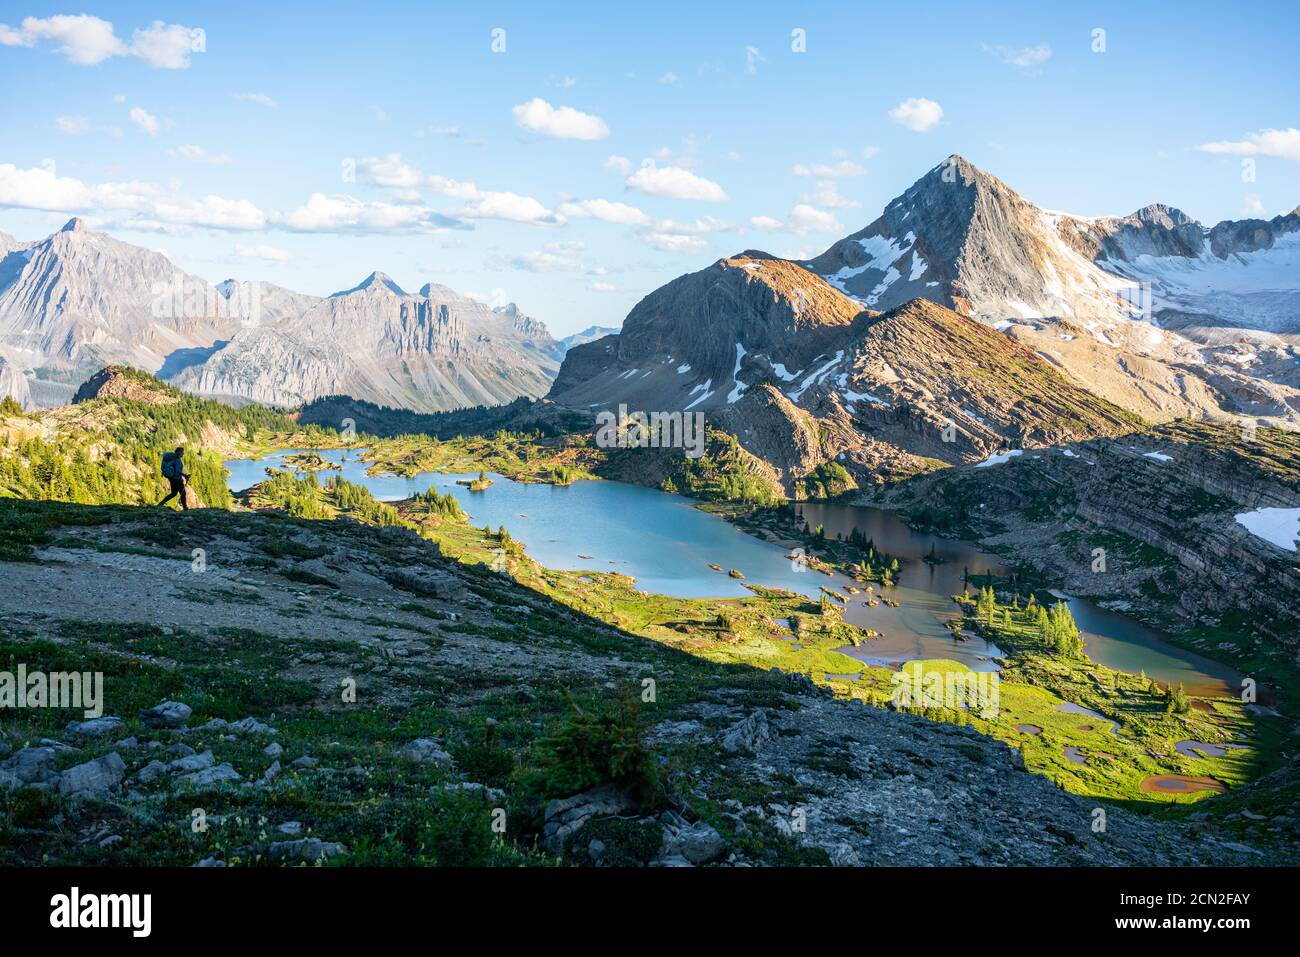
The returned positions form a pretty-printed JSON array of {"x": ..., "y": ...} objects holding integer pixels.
[{"x": 171, "y": 465}]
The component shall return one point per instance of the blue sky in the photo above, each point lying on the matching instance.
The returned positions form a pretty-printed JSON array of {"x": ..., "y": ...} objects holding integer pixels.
[{"x": 312, "y": 144}]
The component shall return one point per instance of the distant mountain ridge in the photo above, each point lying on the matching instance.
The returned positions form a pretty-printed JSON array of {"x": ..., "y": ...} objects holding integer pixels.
[
  {"x": 430, "y": 352},
  {"x": 79, "y": 300}
]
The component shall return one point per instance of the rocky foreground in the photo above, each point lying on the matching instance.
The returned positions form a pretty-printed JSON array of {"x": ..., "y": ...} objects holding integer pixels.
[{"x": 323, "y": 691}]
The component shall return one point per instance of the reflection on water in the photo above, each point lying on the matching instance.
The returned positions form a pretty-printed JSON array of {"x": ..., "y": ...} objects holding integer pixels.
[
  {"x": 918, "y": 627},
  {"x": 1110, "y": 638},
  {"x": 668, "y": 545}
]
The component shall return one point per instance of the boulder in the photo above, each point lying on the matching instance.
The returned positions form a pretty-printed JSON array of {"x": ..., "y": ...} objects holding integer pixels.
[
  {"x": 95, "y": 727},
  {"x": 167, "y": 714},
  {"x": 194, "y": 762},
  {"x": 96, "y": 778},
  {"x": 747, "y": 736},
  {"x": 425, "y": 750},
  {"x": 251, "y": 725},
  {"x": 567, "y": 816},
  {"x": 698, "y": 843},
  {"x": 28, "y": 766},
  {"x": 219, "y": 774},
  {"x": 151, "y": 772}
]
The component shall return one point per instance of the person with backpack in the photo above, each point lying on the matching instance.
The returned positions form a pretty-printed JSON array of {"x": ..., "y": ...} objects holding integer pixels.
[{"x": 173, "y": 470}]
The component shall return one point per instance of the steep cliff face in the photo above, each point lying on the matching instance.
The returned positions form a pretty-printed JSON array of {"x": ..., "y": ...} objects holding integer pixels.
[
  {"x": 13, "y": 384},
  {"x": 429, "y": 352}
]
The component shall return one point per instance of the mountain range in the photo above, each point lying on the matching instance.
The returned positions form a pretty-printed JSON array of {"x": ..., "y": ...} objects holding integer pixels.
[
  {"x": 962, "y": 321},
  {"x": 963, "y": 304},
  {"x": 80, "y": 299}
]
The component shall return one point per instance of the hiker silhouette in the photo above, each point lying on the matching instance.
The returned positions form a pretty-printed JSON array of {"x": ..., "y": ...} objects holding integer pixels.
[{"x": 173, "y": 470}]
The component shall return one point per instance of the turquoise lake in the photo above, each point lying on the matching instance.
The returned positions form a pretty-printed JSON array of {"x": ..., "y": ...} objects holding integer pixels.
[{"x": 667, "y": 544}]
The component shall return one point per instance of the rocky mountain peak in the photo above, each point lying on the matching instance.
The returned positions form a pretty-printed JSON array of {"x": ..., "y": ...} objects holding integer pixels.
[
  {"x": 1158, "y": 214},
  {"x": 375, "y": 282},
  {"x": 75, "y": 225},
  {"x": 435, "y": 290}
]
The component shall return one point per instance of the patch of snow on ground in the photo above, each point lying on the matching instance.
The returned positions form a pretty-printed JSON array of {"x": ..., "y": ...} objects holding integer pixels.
[
  {"x": 803, "y": 387},
  {"x": 1158, "y": 456},
  {"x": 739, "y": 388},
  {"x": 683, "y": 368},
  {"x": 919, "y": 266},
  {"x": 780, "y": 369},
  {"x": 852, "y": 396},
  {"x": 998, "y": 458},
  {"x": 881, "y": 254},
  {"x": 707, "y": 393},
  {"x": 1280, "y": 526}
]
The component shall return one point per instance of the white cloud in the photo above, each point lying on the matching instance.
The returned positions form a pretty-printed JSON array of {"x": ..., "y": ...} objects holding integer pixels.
[
  {"x": 562, "y": 123},
  {"x": 696, "y": 227},
  {"x": 802, "y": 219},
  {"x": 87, "y": 40},
  {"x": 677, "y": 236},
  {"x": 83, "y": 39},
  {"x": 145, "y": 120},
  {"x": 870, "y": 152},
  {"x": 393, "y": 173},
  {"x": 72, "y": 125},
  {"x": 676, "y": 243},
  {"x": 917, "y": 114},
  {"x": 344, "y": 214},
  {"x": 268, "y": 253},
  {"x": 1252, "y": 207},
  {"x": 1027, "y": 58},
  {"x": 604, "y": 209},
  {"x": 826, "y": 193},
  {"x": 553, "y": 257},
  {"x": 619, "y": 164},
  {"x": 752, "y": 59},
  {"x": 675, "y": 183},
  {"x": 146, "y": 205},
  {"x": 458, "y": 189},
  {"x": 167, "y": 46},
  {"x": 452, "y": 131},
  {"x": 1281, "y": 143},
  {"x": 843, "y": 168},
  {"x": 511, "y": 207},
  {"x": 598, "y": 286},
  {"x": 261, "y": 99},
  {"x": 670, "y": 79},
  {"x": 199, "y": 155}
]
